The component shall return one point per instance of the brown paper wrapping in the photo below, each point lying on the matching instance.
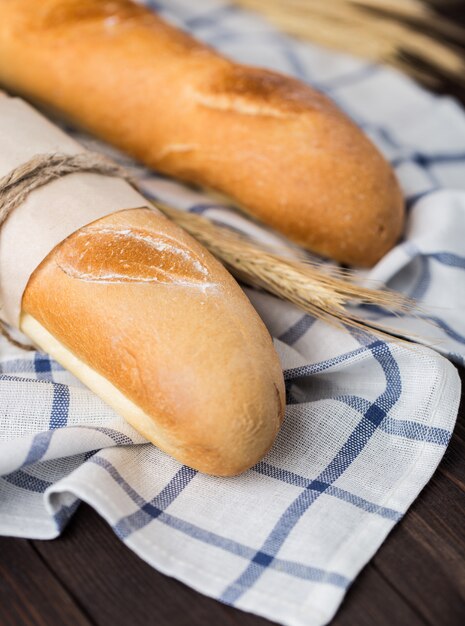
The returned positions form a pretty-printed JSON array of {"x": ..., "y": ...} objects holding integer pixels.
[{"x": 52, "y": 212}]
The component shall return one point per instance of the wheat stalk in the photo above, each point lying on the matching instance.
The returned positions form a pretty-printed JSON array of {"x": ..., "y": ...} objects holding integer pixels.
[
  {"x": 323, "y": 292},
  {"x": 389, "y": 31}
]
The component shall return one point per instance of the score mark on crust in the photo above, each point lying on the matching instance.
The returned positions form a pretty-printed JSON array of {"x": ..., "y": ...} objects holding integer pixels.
[{"x": 130, "y": 255}]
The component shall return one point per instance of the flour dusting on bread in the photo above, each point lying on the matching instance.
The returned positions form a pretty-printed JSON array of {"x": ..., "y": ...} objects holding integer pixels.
[{"x": 129, "y": 255}]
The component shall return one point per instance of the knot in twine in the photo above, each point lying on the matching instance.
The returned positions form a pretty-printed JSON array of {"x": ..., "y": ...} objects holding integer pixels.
[{"x": 38, "y": 171}]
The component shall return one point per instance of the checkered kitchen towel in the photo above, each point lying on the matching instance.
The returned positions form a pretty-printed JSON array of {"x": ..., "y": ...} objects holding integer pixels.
[{"x": 367, "y": 422}]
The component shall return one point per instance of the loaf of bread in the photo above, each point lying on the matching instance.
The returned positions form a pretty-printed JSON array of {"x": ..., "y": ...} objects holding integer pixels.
[
  {"x": 150, "y": 321},
  {"x": 281, "y": 150}
]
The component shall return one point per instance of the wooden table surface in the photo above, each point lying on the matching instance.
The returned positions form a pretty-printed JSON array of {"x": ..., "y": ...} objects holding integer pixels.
[{"x": 88, "y": 577}]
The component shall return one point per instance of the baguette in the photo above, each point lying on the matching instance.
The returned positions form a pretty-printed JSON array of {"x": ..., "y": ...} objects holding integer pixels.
[
  {"x": 156, "y": 327},
  {"x": 281, "y": 150}
]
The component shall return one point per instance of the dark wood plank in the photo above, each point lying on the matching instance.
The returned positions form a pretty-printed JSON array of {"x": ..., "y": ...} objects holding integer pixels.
[
  {"x": 442, "y": 508},
  {"x": 453, "y": 464},
  {"x": 373, "y": 601},
  {"x": 426, "y": 569},
  {"x": 30, "y": 595},
  {"x": 117, "y": 588}
]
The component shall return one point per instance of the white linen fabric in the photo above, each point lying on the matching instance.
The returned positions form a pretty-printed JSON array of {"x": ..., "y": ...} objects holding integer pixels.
[{"x": 367, "y": 421}]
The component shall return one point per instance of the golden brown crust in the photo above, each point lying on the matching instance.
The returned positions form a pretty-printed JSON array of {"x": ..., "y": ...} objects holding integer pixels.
[
  {"x": 144, "y": 305},
  {"x": 280, "y": 149}
]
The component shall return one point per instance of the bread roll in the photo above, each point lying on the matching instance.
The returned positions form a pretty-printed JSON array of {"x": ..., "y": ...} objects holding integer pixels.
[
  {"x": 153, "y": 324},
  {"x": 281, "y": 150}
]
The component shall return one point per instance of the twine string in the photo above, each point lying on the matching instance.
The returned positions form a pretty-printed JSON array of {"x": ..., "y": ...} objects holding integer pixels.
[{"x": 16, "y": 186}]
